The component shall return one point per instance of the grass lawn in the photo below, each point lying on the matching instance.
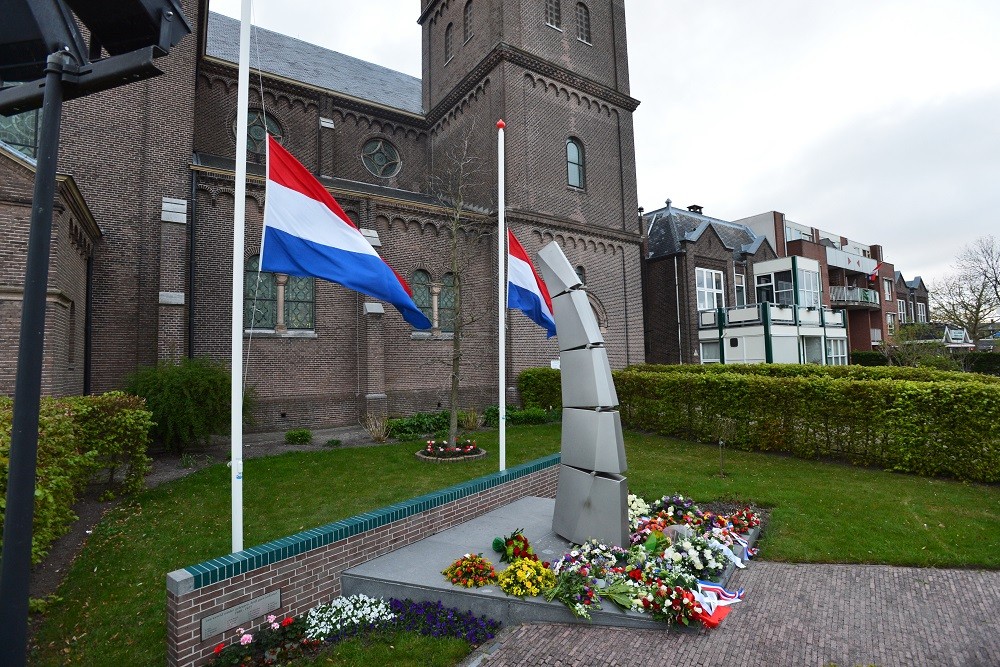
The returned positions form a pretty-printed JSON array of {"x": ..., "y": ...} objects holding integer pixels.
[{"x": 113, "y": 602}]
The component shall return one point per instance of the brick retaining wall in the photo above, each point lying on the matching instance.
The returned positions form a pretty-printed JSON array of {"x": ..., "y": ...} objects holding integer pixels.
[{"x": 306, "y": 566}]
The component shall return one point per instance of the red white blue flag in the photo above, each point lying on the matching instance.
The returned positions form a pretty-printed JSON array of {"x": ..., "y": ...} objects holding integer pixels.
[
  {"x": 525, "y": 289},
  {"x": 306, "y": 233}
]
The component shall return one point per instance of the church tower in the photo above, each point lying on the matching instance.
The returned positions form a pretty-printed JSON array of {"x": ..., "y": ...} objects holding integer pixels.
[{"x": 556, "y": 71}]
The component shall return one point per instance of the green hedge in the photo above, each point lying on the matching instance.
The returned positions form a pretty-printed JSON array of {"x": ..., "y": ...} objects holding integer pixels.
[
  {"x": 945, "y": 428},
  {"x": 540, "y": 388},
  {"x": 868, "y": 358},
  {"x": 77, "y": 438},
  {"x": 983, "y": 362},
  {"x": 812, "y": 370}
]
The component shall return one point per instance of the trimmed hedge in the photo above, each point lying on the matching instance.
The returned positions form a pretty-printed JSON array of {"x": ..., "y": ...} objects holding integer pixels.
[
  {"x": 909, "y": 373},
  {"x": 77, "y": 437},
  {"x": 869, "y": 358},
  {"x": 945, "y": 428},
  {"x": 983, "y": 362},
  {"x": 540, "y": 388}
]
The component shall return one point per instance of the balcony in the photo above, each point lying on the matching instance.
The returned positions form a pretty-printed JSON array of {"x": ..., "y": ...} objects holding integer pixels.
[
  {"x": 854, "y": 297},
  {"x": 778, "y": 315}
]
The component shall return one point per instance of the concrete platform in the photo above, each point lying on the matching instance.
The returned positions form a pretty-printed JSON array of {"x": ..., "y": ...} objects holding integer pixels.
[{"x": 414, "y": 571}]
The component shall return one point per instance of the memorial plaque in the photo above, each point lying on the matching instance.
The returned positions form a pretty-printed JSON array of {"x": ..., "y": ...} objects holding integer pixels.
[{"x": 239, "y": 615}]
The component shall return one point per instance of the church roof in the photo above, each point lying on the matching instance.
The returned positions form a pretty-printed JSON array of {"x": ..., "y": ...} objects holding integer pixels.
[{"x": 294, "y": 59}]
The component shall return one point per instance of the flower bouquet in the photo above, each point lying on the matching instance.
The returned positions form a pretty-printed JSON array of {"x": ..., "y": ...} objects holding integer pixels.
[
  {"x": 442, "y": 449},
  {"x": 470, "y": 571},
  {"x": 514, "y": 546},
  {"x": 526, "y": 577}
]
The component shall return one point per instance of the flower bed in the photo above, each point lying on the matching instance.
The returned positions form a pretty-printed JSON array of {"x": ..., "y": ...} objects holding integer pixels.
[
  {"x": 309, "y": 635},
  {"x": 440, "y": 451}
]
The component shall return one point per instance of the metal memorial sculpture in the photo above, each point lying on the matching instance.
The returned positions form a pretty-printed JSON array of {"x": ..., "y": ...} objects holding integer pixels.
[{"x": 592, "y": 496}]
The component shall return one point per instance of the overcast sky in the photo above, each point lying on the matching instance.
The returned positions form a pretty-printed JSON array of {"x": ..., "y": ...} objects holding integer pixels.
[{"x": 875, "y": 119}]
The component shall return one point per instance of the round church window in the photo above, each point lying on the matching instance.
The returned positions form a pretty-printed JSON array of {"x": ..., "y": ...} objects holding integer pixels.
[{"x": 381, "y": 158}]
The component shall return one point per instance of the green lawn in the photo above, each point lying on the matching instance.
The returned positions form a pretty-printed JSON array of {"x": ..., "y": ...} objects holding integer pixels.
[{"x": 113, "y": 602}]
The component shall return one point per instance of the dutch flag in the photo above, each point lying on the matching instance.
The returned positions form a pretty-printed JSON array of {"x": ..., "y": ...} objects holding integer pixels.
[
  {"x": 306, "y": 233},
  {"x": 525, "y": 289}
]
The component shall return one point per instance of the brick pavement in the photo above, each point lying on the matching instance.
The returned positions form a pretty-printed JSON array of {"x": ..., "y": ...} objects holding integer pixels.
[{"x": 815, "y": 615}]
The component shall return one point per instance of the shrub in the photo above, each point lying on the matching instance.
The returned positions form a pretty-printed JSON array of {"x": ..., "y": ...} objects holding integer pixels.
[
  {"x": 540, "y": 388},
  {"x": 491, "y": 416},
  {"x": 333, "y": 442},
  {"x": 298, "y": 436},
  {"x": 190, "y": 401},
  {"x": 377, "y": 427},
  {"x": 940, "y": 427},
  {"x": 116, "y": 427},
  {"x": 983, "y": 362},
  {"x": 418, "y": 426},
  {"x": 868, "y": 358},
  {"x": 76, "y": 438},
  {"x": 527, "y": 417},
  {"x": 470, "y": 419}
]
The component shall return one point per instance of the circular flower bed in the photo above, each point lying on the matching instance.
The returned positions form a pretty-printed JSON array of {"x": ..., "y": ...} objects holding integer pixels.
[{"x": 441, "y": 450}]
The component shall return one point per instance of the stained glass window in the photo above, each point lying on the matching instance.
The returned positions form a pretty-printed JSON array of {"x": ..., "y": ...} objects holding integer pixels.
[
  {"x": 421, "y": 286},
  {"x": 258, "y": 126},
  {"x": 467, "y": 21},
  {"x": 21, "y": 132},
  {"x": 574, "y": 163},
  {"x": 299, "y": 302},
  {"x": 260, "y": 297},
  {"x": 553, "y": 13},
  {"x": 381, "y": 158},
  {"x": 446, "y": 303},
  {"x": 448, "y": 52}
]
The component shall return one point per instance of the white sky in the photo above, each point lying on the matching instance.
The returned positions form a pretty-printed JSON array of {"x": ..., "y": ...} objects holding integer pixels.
[{"x": 875, "y": 119}]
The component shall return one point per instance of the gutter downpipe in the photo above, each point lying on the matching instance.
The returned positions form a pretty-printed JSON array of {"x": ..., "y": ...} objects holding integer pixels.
[
  {"x": 677, "y": 296},
  {"x": 192, "y": 208}
]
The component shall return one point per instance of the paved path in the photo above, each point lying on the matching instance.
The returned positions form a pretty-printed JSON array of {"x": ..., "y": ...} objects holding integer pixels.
[{"x": 810, "y": 615}]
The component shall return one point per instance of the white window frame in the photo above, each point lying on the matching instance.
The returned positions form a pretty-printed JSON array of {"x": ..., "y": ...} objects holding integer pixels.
[
  {"x": 890, "y": 323},
  {"x": 740, "y": 287},
  {"x": 836, "y": 351},
  {"x": 921, "y": 311},
  {"x": 901, "y": 309},
  {"x": 710, "y": 286},
  {"x": 810, "y": 289},
  {"x": 710, "y": 345},
  {"x": 887, "y": 288}
]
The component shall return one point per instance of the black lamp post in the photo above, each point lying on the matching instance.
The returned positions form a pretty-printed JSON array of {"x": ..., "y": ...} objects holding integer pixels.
[{"x": 41, "y": 37}]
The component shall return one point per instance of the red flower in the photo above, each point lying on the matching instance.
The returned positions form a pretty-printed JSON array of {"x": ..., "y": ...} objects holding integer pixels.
[
  {"x": 288, "y": 621},
  {"x": 636, "y": 574},
  {"x": 218, "y": 649}
]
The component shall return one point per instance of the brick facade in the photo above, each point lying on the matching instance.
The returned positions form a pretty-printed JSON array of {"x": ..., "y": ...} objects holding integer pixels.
[{"x": 161, "y": 285}]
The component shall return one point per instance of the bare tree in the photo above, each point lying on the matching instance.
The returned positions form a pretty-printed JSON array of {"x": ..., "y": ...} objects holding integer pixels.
[
  {"x": 970, "y": 295},
  {"x": 966, "y": 300},
  {"x": 454, "y": 186}
]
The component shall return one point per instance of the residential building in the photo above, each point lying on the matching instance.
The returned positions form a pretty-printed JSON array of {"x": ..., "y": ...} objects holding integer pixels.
[
  {"x": 912, "y": 299},
  {"x": 716, "y": 292},
  {"x": 856, "y": 278},
  {"x": 141, "y": 270}
]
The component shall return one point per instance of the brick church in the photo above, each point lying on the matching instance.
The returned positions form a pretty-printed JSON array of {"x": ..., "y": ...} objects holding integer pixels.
[{"x": 141, "y": 264}]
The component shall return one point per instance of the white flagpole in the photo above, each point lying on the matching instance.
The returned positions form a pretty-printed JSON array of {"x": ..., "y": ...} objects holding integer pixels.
[
  {"x": 239, "y": 233},
  {"x": 502, "y": 294}
]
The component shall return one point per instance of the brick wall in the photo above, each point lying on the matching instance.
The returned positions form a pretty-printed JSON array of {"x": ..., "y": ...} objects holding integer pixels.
[{"x": 306, "y": 567}]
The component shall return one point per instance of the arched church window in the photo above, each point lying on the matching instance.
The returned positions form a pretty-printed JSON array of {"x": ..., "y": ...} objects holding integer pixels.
[
  {"x": 575, "y": 163},
  {"x": 446, "y": 307},
  {"x": 467, "y": 21},
  {"x": 581, "y": 273},
  {"x": 553, "y": 13},
  {"x": 448, "y": 44},
  {"x": 259, "y": 125},
  {"x": 582, "y": 23},
  {"x": 276, "y": 301},
  {"x": 421, "y": 286}
]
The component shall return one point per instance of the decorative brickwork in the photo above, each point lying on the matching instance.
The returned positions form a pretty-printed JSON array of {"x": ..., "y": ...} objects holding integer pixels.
[{"x": 306, "y": 567}]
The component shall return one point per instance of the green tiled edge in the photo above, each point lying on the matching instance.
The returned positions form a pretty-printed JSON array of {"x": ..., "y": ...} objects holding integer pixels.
[{"x": 224, "y": 567}]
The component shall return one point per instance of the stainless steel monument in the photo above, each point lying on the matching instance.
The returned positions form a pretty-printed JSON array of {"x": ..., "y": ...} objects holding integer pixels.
[{"x": 592, "y": 496}]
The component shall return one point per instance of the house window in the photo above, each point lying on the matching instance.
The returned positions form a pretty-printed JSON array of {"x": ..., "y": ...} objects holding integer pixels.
[
  {"x": 784, "y": 288},
  {"x": 276, "y": 301},
  {"x": 581, "y": 273},
  {"x": 553, "y": 15},
  {"x": 574, "y": 163},
  {"x": 467, "y": 22},
  {"x": 765, "y": 288},
  {"x": 740, "y": 282},
  {"x": 711, "y": 352},
  {"x": 582, "y": 23},
  {"x": 421, "y": 286},
  {"x": 901, "y": 307},
  {"x": 890, "y": 323},
  {"x": 809, "y": 289},
  {"x": 836, "y": 352},
  {"x": 812, "y": 349},
  {"x": 20, "y": 132},
  {"x": 921, "y": 312},
  {"x": 381, "y": 158},
  {"x": 448, "y": 37},
  {"x": 259, "y": 125},
  {"x": 710, "y": 289},
  {"x": 887, "y": 288}
]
